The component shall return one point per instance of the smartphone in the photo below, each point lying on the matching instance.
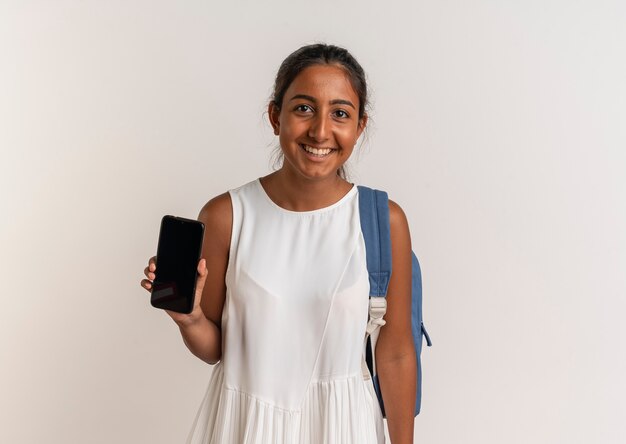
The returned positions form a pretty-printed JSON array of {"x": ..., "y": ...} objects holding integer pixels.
[{"x": 178, "y": 252}]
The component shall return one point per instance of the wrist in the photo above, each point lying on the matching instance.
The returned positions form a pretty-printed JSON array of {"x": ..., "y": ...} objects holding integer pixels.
[{"x": 193, "y": 319}]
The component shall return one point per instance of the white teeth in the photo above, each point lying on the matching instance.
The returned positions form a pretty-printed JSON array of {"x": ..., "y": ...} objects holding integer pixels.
[{"x": 321, "y": 152}]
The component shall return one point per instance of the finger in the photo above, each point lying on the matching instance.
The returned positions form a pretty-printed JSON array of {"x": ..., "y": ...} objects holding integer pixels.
[
  {"x": 202, "y": 270},
  {"x": 148, "y": 274},
  {"x": 152, "y": 263},
  {"x": 146, "y": 284},
  {"x": 202, "y": 266},
  {"x": 202, "y": 274}
]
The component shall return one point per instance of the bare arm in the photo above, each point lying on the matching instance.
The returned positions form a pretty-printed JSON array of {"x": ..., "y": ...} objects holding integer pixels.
[
  {"x": 396, "y": 362},
  {"x": 201, "y": 329},
  {"x": 202, "y": 335}
]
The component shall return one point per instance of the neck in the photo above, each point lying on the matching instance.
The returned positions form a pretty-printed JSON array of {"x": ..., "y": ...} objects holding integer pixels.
[{"x": 297, "y": 193}]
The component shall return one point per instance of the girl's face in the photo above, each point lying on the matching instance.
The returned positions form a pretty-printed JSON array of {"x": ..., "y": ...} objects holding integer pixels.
[{"x": 320, "y": 114}]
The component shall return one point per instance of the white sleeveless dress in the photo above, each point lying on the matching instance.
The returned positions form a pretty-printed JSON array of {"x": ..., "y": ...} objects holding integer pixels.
[{"x": 293, "y": 326}]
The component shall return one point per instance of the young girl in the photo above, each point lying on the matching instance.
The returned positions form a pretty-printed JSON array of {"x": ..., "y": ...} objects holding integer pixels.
[{"x": 282, "y": 294}]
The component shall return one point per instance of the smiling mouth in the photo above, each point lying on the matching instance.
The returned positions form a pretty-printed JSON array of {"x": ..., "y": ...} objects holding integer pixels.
[{"x": 317, "y": 152}]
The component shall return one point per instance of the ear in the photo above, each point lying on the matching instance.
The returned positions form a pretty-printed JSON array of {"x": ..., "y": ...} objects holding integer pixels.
[
  {"x": 274, "y": 112},
  {"x": 361, "y": 125}
]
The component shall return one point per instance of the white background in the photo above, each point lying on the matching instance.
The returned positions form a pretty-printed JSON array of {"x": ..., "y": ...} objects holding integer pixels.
[{"x": 498, "y": 126}]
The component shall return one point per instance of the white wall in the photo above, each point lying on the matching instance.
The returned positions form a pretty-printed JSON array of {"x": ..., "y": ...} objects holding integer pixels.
[{"x": 498, "y": 126}]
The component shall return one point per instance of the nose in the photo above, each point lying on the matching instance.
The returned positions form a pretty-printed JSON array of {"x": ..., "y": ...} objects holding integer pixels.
[{"x": 319, "y": 129}]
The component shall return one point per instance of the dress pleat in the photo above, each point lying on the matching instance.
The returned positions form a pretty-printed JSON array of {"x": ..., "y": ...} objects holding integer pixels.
[{"x": 338, "y": 411}]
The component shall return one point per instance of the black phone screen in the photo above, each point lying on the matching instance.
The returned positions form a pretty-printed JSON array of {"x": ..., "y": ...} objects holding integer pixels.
[{"x": 178, "y": 252}]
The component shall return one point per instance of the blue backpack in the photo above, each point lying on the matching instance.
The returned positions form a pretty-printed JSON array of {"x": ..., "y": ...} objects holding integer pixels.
[{"x": 374, "y": 214}]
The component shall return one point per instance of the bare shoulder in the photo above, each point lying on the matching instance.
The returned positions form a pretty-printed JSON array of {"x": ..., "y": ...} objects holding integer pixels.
[
  {"x": 399, "y": 228},
  {"x": 397, "y": 218},
  {"x": 217, "y": 216},
  {"x": 220, "y": 205}
]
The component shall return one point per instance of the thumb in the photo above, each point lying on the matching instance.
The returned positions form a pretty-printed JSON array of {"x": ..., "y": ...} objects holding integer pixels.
[
  {"x": 202, "y": 273},
  {"x": 202, "y": 270}
]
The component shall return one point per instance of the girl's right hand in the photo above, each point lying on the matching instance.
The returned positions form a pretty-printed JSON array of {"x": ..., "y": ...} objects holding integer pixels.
[{"x": 180, "y": 318}]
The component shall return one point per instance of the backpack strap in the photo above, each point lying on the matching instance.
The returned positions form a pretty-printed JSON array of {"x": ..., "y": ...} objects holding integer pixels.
[
  {"x": 374, "y": 211},
  {"x": 374, "y": 215}
]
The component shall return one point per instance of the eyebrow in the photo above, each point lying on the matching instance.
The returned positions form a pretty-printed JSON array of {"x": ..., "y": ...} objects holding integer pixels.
[{"x": 332, "y": 102}]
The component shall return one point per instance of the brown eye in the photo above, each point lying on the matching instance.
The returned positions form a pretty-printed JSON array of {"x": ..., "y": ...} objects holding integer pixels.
[
  {"x": 300, "y": 107},
  {"x": 344, "y": 114}
]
